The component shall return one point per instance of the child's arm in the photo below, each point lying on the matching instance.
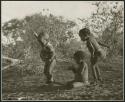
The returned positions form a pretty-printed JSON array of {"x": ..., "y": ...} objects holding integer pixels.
[
  {"x": 35, "y": 34},
  {"x": 96, "y": 43},
  {"x": 37, "y": 37},
  {"x": 52, "y": 51},
  {"x": 53, "y": 56},
  {"x": 103, "y": 44}
]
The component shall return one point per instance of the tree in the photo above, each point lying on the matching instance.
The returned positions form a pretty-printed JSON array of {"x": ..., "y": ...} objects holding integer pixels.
[
  {"x": 107, "y": 24},
  {"x": 28, "y": 48},
  {"x": 56, "y": 27}
]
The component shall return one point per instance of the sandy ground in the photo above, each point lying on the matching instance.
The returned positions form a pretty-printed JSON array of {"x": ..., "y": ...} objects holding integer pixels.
[{"x": 19, "y": 86}]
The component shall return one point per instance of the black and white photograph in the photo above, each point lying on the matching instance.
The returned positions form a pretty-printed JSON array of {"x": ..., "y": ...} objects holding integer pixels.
[{"x": 62, "y": 50}]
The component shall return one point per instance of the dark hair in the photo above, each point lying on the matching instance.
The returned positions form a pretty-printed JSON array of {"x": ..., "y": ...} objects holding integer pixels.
[
  {"x": 79, "y": 55},
  {"x": 84, "y": 31}
]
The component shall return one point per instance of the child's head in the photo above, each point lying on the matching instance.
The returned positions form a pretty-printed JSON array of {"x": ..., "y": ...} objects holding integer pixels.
[
  {"x": 84, "y": 34},
  {"x": 44, "y": 37},
  {"x": 79, "y": 56}
]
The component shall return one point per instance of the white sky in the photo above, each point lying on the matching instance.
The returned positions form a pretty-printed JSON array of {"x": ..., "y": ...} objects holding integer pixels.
[{"x": 68, "y": 9}]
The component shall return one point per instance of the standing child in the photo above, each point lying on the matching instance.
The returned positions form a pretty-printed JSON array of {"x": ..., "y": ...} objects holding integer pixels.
[
  {"x": 80, "y": 68},
  {"x": 95, "y": 51},
  {"x": 47, "y": 55}
]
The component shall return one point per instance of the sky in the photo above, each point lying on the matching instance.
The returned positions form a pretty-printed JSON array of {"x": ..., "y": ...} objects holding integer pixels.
[{"x": 68, "y": 9}]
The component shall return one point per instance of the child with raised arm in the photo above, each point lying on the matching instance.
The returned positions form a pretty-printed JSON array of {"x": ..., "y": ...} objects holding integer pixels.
[{"x": 47, "y": 55}]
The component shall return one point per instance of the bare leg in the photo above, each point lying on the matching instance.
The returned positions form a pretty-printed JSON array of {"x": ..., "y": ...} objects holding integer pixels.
[
  {"x": 98, "y": 73},
  {"x": 52, "y": 65},
  {"x": 48, "y": 70},
  {"x": 94, "y": 71},
  {"x": 85, "y": 74}
]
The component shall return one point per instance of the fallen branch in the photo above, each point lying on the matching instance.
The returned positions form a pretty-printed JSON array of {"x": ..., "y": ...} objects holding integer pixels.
[
  {"x": 13, "y": 62},
  {"x": 6, "y": 67},
  {"x": 10, "y": 59}
]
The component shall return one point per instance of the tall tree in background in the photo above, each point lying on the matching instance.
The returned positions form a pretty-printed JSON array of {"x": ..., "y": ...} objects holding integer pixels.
[
  {"x": 113, "y": 32},
  {"x": 57, "y": 27},
  {"x": 107, "y": 24}
]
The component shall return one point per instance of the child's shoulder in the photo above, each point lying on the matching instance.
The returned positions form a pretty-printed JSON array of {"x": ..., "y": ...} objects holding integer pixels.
[{"x": 92, "y": 39}]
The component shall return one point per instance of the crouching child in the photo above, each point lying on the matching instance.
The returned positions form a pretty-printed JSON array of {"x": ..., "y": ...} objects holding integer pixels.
[{"x": 80, "y": 69}]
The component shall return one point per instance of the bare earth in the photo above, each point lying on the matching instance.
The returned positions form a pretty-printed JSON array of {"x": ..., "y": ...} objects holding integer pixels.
[{"x": 20, "y": 86}]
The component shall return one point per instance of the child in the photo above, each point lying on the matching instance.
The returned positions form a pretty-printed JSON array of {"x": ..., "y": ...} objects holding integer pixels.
[
  {"x": 80, "y": 69},
  {"x": 95, "y": 51},
  {"x": 47, "y": 55}
]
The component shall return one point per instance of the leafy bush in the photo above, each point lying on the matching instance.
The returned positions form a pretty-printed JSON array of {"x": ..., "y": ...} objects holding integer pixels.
[{"x": 29, "y": 48}]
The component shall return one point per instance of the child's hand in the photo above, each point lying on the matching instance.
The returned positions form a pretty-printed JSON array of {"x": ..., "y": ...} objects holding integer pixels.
[{"x": 35, "y": 33}]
